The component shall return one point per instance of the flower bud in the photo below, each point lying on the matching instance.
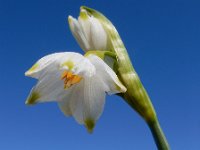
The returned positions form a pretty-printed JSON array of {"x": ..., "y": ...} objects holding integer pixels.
[{"x": 88, "y": 32}]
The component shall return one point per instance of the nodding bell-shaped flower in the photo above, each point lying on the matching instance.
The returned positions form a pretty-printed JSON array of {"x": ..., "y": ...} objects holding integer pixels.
[
  {"x": 79, "y": 85},
  {"x": 88, "y": 32}
]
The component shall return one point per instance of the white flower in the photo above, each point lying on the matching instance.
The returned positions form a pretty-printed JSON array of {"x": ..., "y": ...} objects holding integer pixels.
[
  {"x": 79, "y": 85},
  {"x": 88, "y": 32}
]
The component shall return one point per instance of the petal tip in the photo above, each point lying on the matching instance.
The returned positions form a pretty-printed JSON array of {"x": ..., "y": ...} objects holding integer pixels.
[
  {"x": 33, "y": 97},
  {"x": 120, "y": 87},
  {"x": 27, "y": 73},
  {"x": 82, "y": 8},
  {"x": 83, "y": 14},
  {"x": 70, "y": 18},
  {"x": 123, "y": 89},
  {"x": 32, "y": 69},
  {"x": 89, "y": 124}
]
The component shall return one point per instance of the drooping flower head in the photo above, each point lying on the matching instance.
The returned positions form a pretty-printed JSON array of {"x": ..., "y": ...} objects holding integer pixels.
[{"x": 79, "y": 85}]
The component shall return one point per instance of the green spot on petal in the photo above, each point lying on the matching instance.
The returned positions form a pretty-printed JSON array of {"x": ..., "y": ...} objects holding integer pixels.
[
  {"x": 33, "y": 68},
  {"x": 32, "y": 98},
  {"x": 69, "y": 64},
  {"x": 83, "y": 15},
  {"x": 90, "y": 124}
]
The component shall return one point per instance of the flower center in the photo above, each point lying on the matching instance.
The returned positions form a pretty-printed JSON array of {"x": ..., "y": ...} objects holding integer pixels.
[{"x": 70, "y": 79}]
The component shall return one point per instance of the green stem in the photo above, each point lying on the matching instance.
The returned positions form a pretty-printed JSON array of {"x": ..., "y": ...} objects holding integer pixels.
[{"x": 158, "y": 135}]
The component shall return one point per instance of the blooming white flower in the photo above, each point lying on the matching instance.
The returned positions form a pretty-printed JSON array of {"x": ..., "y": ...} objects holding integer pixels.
[
  {"x": 88, "y": 32},
  {"x": 79, "y": 85}
]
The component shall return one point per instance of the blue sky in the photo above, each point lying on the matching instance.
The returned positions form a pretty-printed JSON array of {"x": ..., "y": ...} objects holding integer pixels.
[{"x": 163, "y": 40}]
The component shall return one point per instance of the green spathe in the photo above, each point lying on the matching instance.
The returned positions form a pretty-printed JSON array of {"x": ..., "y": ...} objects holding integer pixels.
[{"x": 136, "y": 95}]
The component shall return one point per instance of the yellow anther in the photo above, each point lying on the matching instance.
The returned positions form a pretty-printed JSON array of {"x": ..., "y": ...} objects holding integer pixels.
[
  {"x": 69, "y": 75},
  {"x": 64, "y": 74},
  {"x": 75, "y": 79},
  {"x": 70, "y": 79}
]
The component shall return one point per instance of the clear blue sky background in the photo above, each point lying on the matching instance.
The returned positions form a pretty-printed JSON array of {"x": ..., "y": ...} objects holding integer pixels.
[{"x": 163, "y": 40}]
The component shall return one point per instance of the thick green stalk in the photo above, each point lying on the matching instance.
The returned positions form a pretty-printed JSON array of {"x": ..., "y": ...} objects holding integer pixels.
[
  {"x": 136, "y": 95},
  {"x": 158, "y": 135}
]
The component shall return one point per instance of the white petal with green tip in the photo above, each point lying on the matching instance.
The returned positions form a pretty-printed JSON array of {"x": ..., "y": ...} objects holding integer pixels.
[
  {"x": 79, "y": 85},
  {"x": 107, "y": 75}
]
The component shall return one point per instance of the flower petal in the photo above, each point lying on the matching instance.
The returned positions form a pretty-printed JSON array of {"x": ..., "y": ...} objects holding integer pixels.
[
  {"x": 43, "y": 65},
  {"x": 98, "y": 34},
  {"x": 94, "y": 100},
  {"x": 51, "y": 86},
  {"x": 65, "y": 100},
  {"x": 107, "y": 75},
  {"x": 78, "y": 33},
  {"x": 47, "y": 89},
  {"x": 85, "y": 23},
  {"x": 52, "y": 62},
  {"x": 86, "y": 102}
]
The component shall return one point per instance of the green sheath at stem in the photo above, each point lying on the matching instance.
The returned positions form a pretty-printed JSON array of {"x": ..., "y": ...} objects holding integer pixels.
[{"x": 136, "y": 95}]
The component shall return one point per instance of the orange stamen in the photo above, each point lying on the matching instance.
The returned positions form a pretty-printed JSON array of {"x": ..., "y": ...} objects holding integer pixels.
[
  {"x": 75, "y": 79},
  {"x": 70, "y": 79},
  {"x": 64, "y": 75}
]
